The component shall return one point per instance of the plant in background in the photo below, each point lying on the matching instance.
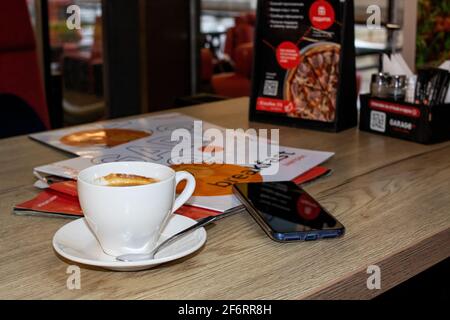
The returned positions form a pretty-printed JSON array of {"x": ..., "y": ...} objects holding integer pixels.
[{"x": 433, "y": 33}]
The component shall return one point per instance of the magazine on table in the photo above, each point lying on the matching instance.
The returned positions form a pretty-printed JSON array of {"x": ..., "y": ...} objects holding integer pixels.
[
  {"x": 214, "y": 181},
  {"x": 90, "y": 138},
  {"x": 211, "y": 161},
  {"x": 59, "y": 198}
]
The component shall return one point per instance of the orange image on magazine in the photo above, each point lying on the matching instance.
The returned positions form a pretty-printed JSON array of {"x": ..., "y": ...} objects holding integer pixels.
[
  {"x": 103, "y": 137},
  {"x": 217, "y": 179}
]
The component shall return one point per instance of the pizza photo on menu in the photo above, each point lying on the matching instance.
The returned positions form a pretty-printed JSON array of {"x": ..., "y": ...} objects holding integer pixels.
[{"x": 311, "y": 87}]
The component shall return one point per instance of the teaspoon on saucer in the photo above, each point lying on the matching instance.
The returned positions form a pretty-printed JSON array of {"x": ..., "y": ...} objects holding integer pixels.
[{"x": 150, "y": 255}]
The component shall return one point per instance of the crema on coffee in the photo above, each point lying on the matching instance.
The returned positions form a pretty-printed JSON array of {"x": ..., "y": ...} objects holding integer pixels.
[{"x": 125, "y": 180}]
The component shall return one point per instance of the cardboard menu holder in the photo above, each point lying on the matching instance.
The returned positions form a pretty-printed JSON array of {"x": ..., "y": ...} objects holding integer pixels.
[
  {"x": 304, "y": 64},
  {"x": 407, "y": 121}
]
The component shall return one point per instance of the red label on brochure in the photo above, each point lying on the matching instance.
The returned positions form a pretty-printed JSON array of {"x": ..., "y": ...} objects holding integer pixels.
[
  {"x": 322, "y": 15},
  {"x": 273, "y": 105},
  {"x": 311, "y": 175},
  {"x": 390, "y": 107},
  {"x": 66, "y": 187},
  {"x": 288, "y": 55},
  {"x": 196, "y": 213},
  {"x": 51, "y": 201}
]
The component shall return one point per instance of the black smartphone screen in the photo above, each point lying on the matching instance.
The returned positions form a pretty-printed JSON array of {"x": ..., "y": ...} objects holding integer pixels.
[{"x": 286, "y": 208}]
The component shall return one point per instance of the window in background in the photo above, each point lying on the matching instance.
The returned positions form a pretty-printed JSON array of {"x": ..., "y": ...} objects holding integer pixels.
[
  {"x": 370, "y": 43},
  {"x": 227, "y": 29},
  {"x": 220, "y": 18},
  {"x": 77, "y": 54},
  {"x": 74, "y": 56}
]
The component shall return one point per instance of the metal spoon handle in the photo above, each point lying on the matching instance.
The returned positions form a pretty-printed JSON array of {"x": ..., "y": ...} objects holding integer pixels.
[
  {"x": 136, "y": 257},
  {"x": 201, "y": 223}
]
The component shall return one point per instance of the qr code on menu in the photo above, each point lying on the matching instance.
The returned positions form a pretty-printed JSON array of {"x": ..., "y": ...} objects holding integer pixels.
[
  {"x": 378, "y": 121},
  {"x": 270, "y": 88}
]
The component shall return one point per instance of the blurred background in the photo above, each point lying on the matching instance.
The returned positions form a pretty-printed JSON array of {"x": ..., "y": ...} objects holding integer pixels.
[{"x": 136, "y": 56}]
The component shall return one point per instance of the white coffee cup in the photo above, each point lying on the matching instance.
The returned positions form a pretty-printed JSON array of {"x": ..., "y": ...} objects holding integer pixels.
[{"x": 129, "y": 219}]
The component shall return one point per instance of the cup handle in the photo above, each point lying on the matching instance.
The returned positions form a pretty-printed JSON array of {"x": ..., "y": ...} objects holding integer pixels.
[{"x": 187, "y": 191}]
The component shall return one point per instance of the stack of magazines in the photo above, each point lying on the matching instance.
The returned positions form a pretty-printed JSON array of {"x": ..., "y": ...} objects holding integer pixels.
[{"x": 150, "y": 139}]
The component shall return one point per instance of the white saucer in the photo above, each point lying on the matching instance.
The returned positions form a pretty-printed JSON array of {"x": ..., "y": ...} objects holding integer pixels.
[{"x": 76, "y": 242}]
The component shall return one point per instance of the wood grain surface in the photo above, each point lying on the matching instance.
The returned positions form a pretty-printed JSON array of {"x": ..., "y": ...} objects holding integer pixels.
[{"x": 393, "y": 197}]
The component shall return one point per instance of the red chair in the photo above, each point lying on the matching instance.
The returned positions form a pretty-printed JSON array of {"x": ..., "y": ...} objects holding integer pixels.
[
  {"x": 241, "y": 33},
  {"x": 251, "y": 18},
  {"x": 20, "y": 75},
  {"x": 207, "y": 65},
  {"x": 238, "y": 83}
]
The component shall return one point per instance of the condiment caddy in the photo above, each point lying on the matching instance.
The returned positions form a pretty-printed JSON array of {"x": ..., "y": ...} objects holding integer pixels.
[{"x": 409, "y": 121}]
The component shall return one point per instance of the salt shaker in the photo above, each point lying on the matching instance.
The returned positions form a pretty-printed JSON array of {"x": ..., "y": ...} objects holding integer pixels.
[
  {"x": 380, "y": 85},
  {"x": 397, "y": 90}
]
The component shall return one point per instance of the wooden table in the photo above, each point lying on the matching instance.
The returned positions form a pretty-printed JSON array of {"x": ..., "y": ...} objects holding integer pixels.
[{"x": 393, "y": 197}]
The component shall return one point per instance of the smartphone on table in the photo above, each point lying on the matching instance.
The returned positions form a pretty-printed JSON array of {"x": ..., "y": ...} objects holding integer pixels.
[{"x": 286, "y": 212}]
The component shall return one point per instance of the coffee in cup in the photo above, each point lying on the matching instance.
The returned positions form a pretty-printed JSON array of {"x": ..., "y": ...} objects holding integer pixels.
[
  {"x": 129, "y": 218},
  {"x": 125, "y": 180}
]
